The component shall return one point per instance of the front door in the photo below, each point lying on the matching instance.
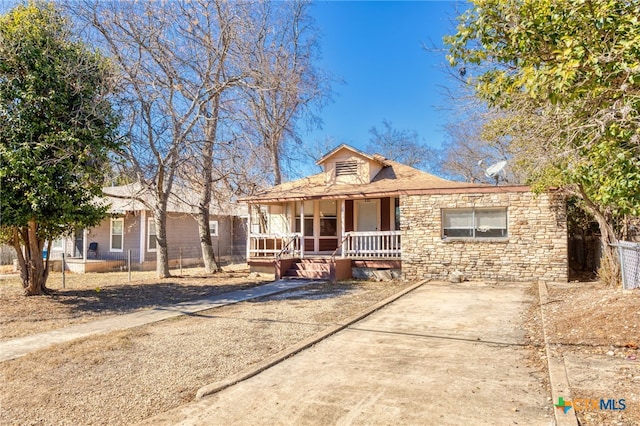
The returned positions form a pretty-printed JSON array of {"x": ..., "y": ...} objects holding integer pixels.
[
  {"x": 79, "y": 243},
  {"x": 367, "y": 215}
]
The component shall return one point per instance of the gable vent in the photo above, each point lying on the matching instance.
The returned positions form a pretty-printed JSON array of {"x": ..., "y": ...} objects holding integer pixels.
[{"x": 346, "y": 168}]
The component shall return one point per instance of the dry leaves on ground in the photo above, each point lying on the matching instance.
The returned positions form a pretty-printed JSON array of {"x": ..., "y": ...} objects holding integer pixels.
[
  {"x": 126, "y": 376},
  {"x": 88, "y": 297},
  {"x": 597, "y": 330}
]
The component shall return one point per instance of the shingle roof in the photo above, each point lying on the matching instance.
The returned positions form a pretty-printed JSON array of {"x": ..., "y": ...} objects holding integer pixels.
[
  {"x": 130, "y": 198},
  {"x": 394, "y": 178}
]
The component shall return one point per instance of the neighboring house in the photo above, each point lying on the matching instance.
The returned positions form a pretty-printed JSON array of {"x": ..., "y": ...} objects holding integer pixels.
[
  {"x": 367, "y": 213},
  {"x": 129, "y": 233}
]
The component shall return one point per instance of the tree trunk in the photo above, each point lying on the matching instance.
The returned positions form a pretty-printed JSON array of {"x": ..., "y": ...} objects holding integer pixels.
[
  {"x": 609, "y": 270},
  {"x": 211, "y": 264},
  {"x": 275, "y": 159},
  {"x": 162, "y": 251},
  {"x": 33, "y": 268},
  {"x": 204, "y": 203}
]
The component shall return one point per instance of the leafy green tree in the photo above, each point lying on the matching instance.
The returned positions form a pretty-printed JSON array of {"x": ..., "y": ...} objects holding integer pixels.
[
  {"x": 56, "y": 131},
  {"x": 568, "y": 74}
]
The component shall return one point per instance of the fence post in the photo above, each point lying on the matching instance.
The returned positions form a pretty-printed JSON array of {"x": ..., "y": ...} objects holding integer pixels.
[
  {"x": 129, "y": 263},
  {"x": 180, "y": 260}
]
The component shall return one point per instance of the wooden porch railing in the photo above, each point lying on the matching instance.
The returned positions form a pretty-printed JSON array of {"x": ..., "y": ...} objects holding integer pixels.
[
  {"x": 272, "y": 245},
  {"x": 357, "y": 245},
  {"x": 372, "y": 245}
]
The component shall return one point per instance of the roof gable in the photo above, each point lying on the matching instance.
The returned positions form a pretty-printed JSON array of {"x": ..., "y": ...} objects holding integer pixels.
[
  {"x": 344, "y": 150},
  {"x": 347, "y": 165},
  {"x": 383, "y": 178}
]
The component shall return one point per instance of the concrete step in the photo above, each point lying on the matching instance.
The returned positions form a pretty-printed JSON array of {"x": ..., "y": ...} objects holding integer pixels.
[
  {"x": 316, "y": 260},
  {"x": 311, "y": 267},
  {"x": 306, "y": 274}
]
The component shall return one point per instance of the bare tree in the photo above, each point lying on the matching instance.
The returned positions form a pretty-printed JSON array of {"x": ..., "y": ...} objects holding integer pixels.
[
  {"x": 283, "y": 85},
  {"x": 470, "y": 148},
  {"x": 154, "y": 49},
  {"x": 182, "y": 65},
  {"x": 216, "y": 30},
  {"x": 403, "y": 146}
]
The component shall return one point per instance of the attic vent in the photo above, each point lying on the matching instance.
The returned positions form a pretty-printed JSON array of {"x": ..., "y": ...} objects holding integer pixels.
[{"x": 346, "y": 168}]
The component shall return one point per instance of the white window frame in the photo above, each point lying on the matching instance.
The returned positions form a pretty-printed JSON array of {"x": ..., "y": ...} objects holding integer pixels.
[
  {"x": 151, "y": 224},
  {"x": 57, "y": 245},
  {"x": 111, "y": 234},
  {"x": 475, "y": 231},
  {"x": 213, "y": 228}
]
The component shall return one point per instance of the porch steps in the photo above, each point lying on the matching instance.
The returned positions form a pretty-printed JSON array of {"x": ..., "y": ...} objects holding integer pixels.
[{"x": 310, "y": 269}]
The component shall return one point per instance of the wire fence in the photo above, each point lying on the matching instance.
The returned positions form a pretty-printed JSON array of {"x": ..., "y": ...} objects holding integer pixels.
[
  {"x": 7, "y": 255},
  {"x": 629, "y": 253},
  {"x": 128, "y": 260}
]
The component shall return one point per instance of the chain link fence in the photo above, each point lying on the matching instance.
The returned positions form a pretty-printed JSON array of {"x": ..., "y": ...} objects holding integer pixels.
[
  {"x": 629, "y": 253},
  {"x": 127, "y": 260}
]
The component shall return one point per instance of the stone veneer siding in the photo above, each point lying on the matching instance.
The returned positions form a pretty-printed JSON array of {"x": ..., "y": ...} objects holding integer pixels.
[{"x": 536, "y": 247}]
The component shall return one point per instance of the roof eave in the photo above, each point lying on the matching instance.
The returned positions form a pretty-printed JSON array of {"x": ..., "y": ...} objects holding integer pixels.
[{"x": 383, "y": 194}]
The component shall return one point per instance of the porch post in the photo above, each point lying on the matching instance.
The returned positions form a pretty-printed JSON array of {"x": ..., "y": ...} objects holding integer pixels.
[
  {"x": 302, "y": 229},
  {"x": 85, "y": 244},
  {"x": 143, "y": 232},
  {"x": 249, "y": 231},
  {"x": 342, "y": 232}
]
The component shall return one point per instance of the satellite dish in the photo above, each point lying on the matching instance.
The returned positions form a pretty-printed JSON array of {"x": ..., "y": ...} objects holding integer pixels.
[{"x": 494, "y": 170}]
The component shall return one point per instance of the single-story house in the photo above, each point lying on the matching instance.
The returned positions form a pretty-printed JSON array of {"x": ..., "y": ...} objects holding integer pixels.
[
  {"x": 128, "y": 234},
  {"x": 365, "y": 213}
]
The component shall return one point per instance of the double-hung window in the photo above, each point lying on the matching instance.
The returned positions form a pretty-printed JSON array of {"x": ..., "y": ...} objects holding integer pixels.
[
  {"x": 308, "y": 218},
  {"x": 474, "y": 223},
  {"x": 57, "y": 245},
  {"x": 152, "y": 240},
  {"x": 328, "y": 218},
  {"x": 117, "y": 234},
  {"x": 213, "y": 228}
]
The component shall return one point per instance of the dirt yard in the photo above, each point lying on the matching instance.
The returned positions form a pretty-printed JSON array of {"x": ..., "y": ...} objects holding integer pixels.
[
  {"x": 597, "y": 331},
  {"x": 127, "y": 376},
  {"x": 124, "y": 377},
  {"x": 88, "y": 297}
]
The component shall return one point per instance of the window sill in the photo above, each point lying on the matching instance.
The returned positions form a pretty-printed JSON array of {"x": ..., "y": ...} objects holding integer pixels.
[{"x": 475, "y": 240}]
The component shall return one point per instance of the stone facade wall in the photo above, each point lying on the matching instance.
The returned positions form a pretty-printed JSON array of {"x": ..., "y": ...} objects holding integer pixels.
[{"x": 535, "y": 249}]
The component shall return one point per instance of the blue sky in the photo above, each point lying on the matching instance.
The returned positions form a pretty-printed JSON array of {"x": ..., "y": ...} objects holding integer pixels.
[{"x": 377, "y": 49}]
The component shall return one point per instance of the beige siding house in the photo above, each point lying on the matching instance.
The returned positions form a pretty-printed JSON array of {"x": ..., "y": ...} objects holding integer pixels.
[
  {"x": 128, "y": 234},
  {"x": 367, "y": 213}
]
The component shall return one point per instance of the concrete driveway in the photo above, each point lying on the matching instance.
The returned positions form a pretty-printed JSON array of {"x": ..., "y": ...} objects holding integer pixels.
[{"x": 445, "y": 354}]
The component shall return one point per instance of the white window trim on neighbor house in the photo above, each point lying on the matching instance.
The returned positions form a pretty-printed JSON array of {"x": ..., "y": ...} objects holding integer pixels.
[
  {"x": 475, "y": 224},
  {"x": 57, "y": 245},
  {"x": 152, "y": 242},
  {"x": 213, "y": 228},
  {"x": 121, "y": 235}
]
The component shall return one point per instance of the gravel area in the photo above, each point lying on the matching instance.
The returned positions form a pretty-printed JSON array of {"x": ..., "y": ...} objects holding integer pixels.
[{"x": 124, "y": 377}]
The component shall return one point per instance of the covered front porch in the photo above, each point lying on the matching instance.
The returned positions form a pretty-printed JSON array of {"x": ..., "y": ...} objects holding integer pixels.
[{"x": 323, "y": 231}]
